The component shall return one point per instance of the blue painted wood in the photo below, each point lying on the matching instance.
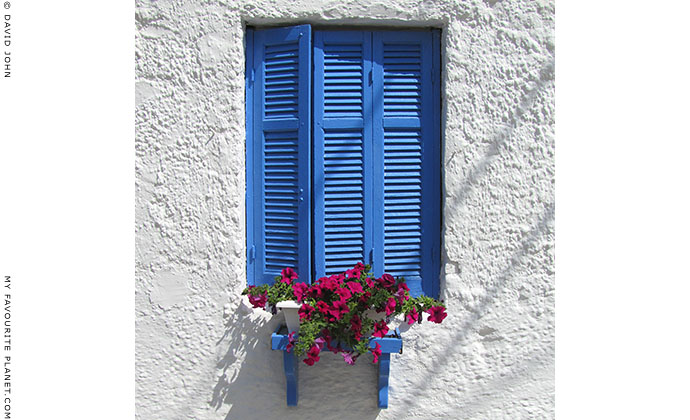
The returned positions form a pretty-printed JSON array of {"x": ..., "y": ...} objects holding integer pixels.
[
  {"x": 433, "y": 283},
  {"x": 407, "y": 143},
  {"x": 384, "y": 373},
  {"x": 391, "y": 343},
  {"x": 342, "y": 150},
  {"x": 290, "y": 365},
  {"x": 279, "y": 140},
  {"x": 249, "y": 157}
]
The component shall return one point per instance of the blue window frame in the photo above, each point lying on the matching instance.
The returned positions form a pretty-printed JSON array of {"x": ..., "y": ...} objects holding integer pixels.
[{"x": 343, "y": 156}]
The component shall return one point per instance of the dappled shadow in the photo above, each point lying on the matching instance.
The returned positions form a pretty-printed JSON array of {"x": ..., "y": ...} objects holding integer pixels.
[
  {"x": 546, "y": 76},
  {"x": 543, "y": 228},
  {"x": 468, "y": 326}
]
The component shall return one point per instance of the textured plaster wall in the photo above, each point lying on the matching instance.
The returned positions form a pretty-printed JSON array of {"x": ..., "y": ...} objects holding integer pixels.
[{"x": 202, "y": 354}]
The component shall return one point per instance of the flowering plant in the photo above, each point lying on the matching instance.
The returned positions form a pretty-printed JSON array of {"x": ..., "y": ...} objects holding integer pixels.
[{"x": 337, "y": 311}]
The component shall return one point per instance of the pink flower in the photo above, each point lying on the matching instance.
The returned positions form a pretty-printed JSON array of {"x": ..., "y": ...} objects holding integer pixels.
[
  {"x": 258, "y": 301},
  {"x": 353, "y": 273},
  {"x": 390, "y": 306},
  {"x": 356, "y": 327},
  {"x": 299, "y": 289},
  {"x": 387, "y": 281},
  {"x": 376, "y": 352},
  {"x": 313, "y": 354},
  {"x": 288, "y": 275},
  {"x": 320, "y": 342},
  {"x": 305, "y": 312},
  {"x": 337, "y": 280},
  {"x": 316, "y": 290},
  {"x": 339, "y": 309},
  {"x": 437, "y": 314},
  {"x": 380, "y": 329},
  {"x": 370, "y": 282},
  {"x": 291, "y": 341},
  {"x": 412, "y": 316},
  {"x": 329, "y": 283},
  {"x": 344, "y": 293},
  {"x": 348, "y": 358},
  {"x": 354, "y": 287},
  {"x": 323, "y": 307},
  {"x": 401, "y": 294}
]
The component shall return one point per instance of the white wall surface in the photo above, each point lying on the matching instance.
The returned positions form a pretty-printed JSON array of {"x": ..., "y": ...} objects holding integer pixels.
[{"x": 202, "y": 354}]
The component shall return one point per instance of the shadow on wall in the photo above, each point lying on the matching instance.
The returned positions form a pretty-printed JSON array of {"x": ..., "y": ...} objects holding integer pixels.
[
  {"x": 529, "y": 246},
  {"x": 251, "y": 379}
]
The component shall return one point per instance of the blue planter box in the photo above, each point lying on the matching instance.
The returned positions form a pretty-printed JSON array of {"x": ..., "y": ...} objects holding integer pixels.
[{"x": 392, "y": 343}]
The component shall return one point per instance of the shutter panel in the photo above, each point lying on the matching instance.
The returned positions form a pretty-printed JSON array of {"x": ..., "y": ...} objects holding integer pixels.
[
  {"x": 278, "y": 154},
  {"x": 407, "y": 171},
  {"x": 343, "y": 161}
]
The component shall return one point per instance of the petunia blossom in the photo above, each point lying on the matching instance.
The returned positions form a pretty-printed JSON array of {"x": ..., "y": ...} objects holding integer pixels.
[
  {"x": 317, "y": 290},
  {"x": 339, "y": 309},
  {"x": 353, "y": 273},
  {"x": 376, "y": 352},
  {"x": 437, "y": 314},
  {"x": 387, "y": 281},
  {"x": 354, "y": 287},
  {"x": 323, "y": 307},
  {"x": 299, "y": 289},
  {"x": 370, "y": 282},
  {"x": 390, "y": 306},
  {"x": 401, "y": 294},
  {"x": 258, "y": 301},
  {"x": 344, "y": 293},
  {"x": 291, "y": 341},
  {"x": 320, "y": 342},
  {"x": 412, "y": 316},
  {"x": 348, "y": 358},
  {"x": 288, "y": 275},
  {"x": 380, "y": 329},
  {"x": 313, "y": 355},
  {"x": 305, "y": 312}
]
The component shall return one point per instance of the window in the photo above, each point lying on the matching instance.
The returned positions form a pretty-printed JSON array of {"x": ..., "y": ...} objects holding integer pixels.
[{"x": 343, "y": 153}]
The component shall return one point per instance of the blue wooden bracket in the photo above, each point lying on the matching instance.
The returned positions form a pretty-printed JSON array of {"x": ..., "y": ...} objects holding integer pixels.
[
  {"x": 290, "y": 367},
  {"x": 392, "y": 343},
  {"x": 384, "y": 372}
]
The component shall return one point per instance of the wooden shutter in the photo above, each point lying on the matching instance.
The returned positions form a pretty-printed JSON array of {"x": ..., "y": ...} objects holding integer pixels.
[
  {"x": 278, "y": 152},
  {"x": 343, "y": 164},
  {"x": 406, "y": 131}
]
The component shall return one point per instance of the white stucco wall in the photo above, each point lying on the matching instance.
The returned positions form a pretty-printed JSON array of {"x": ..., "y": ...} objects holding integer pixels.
[{"x": 201, "y": 354}]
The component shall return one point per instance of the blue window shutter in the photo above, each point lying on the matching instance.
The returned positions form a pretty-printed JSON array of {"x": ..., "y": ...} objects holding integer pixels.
[
  {"x": 343, "y": 159},
  {"x": 278, "y": 153},
  {"x": 406, "y": 115}
]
